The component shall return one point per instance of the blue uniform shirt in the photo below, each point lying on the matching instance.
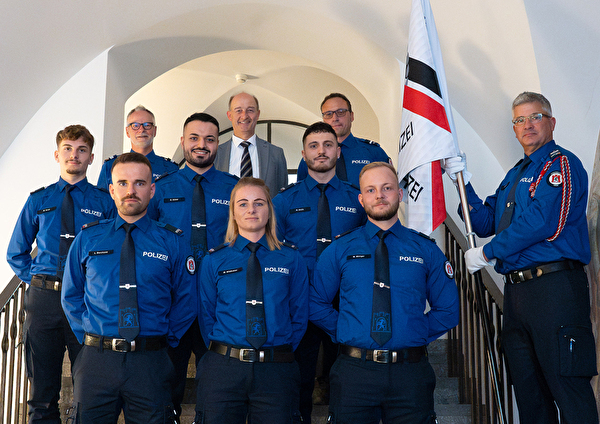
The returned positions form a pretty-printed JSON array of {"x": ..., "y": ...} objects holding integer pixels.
[
  {"x": 90, "y": 291},
  {"x": 296, "y": 212},
  {"x": 524, "y": 244},
  {"x": 160, "y": 166},
  {"x": 40, "y": 221},
  {"x": 419, "y": 272},
  {"x": 223, "y": 294},
  {"x": 357, "y": 152}
]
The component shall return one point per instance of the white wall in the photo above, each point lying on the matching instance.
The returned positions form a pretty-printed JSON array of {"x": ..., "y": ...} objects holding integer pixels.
[{"x": 29, "y": 163}]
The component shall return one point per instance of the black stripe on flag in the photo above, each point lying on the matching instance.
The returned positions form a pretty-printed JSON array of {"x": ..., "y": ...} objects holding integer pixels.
[{"x": 420, "y": 73}]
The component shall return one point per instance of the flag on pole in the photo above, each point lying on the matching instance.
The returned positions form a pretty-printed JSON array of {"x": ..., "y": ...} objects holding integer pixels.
[{"x": 428, "y": 133}]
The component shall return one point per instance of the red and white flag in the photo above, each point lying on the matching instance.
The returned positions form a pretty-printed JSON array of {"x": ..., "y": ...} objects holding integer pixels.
[{"x": 428, "y": 133}]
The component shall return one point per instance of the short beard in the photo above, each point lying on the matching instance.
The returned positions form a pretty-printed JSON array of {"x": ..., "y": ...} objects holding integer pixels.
[
  {"x": 384, "y": 215},
  {"x": 199, "y": 163}
]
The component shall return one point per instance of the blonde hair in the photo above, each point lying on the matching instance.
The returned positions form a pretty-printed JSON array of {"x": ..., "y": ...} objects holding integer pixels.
[{"x": 271, "y": 227}]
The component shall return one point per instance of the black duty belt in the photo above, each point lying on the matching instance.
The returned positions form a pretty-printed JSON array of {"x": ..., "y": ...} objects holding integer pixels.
[
  {"x": 517, "y": 277},
  {"x": 274, "y": 354},
  {"x": 382, "y": 356},
  {"x": 140, "y": 344},
  {"x": 46, "y": 282}
]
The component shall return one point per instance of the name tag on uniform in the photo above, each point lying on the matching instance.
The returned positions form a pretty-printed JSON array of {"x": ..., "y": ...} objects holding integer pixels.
[
  {"x": 359, "y": 256},
  {"x": 46, "y": 210},
  {"x": 174, "y": 199},
  {"x": 230, "y": 271},
  {"x": 304, "y": 209},
  {"x": 101, "y": 252}
]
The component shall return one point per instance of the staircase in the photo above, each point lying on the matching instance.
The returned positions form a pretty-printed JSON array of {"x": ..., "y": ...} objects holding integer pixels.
[{"x": 447, "y": 407}]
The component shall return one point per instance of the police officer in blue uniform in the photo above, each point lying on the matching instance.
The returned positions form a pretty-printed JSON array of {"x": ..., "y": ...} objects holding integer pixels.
[
  {"x": 540, "y": 245},
  {"x": 46, "y": 329},
  {"x": 254, "y": 306},
  {"x": 355, "y": 152},
  {"x": 126, "y": 299},
  {"x": 297, "y": 210},
  {"x": 141, "y": 130},
  {"x": 385, "y": 274},
  {"x": 173, "y": 204}
]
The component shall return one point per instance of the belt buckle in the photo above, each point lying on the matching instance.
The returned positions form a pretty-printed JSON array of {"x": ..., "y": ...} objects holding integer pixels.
[
  {"x": 56, "y": 286},
  {"x": 249, "y": 355},
  {"x": 381, "y": 356},
  {"x": 122, "y": 345}
]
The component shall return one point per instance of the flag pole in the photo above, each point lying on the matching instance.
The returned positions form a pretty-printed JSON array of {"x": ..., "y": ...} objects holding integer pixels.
[{"x": 485, "y": 318}]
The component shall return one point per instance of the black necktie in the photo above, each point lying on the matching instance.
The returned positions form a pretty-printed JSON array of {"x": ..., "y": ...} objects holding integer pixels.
[
  {"x": 129, "y": 326},
  {"x": 67, "y": 229},
  {"x": 323, "y": 221},
  {"x": 198, "y": 236},
  {"x": 340, "y": 168},
  {"x": 256, "y": 330},
  {"x": 509, "y": 209},
  {"x": 246, "y": 164},
  {"x": 381, "y": 320}
]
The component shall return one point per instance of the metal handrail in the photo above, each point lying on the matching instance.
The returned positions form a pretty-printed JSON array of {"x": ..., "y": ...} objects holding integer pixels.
[
  {"x": 14, "y": 386},
  {"x": 469, "y": 355}
]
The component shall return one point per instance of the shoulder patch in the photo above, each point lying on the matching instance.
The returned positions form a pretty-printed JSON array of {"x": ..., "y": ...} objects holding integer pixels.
[
  {"x": 345, "y": 233},
  {"x": 282, "y": 189},
  {"x": 290, "y": 245},
  {"x": 38, "y": 190},
  {"x": 555, "y": 179},
  {"x": 370, "y": 142},
  {"x": 113, "y": 157},
  {"x": 448, "y": 269},
  {"x": 219, "y": 247},
  {"x": 90, "y": 224},
  {"x": 171, "y": 228}
]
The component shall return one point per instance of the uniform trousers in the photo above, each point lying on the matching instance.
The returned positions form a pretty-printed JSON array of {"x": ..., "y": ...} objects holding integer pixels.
[
  {"x": 233, "y": 391},
  {"x": 139, "y": 383},
  {"x": 365, "y": 392},
  {"x": 191, "y": 341},
  {"x": 549, "y": 348},
  {"x": 47, "y": 332}
]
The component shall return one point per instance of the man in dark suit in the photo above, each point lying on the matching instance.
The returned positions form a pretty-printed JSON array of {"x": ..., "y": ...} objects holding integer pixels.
[{"x": 247, "y": 155}]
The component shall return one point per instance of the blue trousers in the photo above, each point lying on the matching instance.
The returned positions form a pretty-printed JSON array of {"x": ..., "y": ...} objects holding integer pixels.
[
  {"x": 138, "y": 383},
  {"x": 47, "y": 332},
  {"x": 365, "y": 392},
  {"x": 231, "y": 391},
  {"x": 549, "y": 348}
]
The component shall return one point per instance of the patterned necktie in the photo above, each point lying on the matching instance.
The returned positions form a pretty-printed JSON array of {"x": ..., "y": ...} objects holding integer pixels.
[
  {"x": 198, "y": 236},
  {"x": 256, "y": 330},
  {"x": 246, "y": 165},
  {"x": 340, "y": 168},
  {"x": 506, "y": 217},
  {"x": 381, "y": 319},
  {"x": 129, "y": 326},
  {"x": 323, "y": 221},
  {"x": 67, "y": 229}
]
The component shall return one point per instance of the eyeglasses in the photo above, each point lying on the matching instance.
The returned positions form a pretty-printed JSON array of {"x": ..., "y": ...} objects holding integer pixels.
[
  {"x": 534, "y": 118},
  {"x": 339, "y": 113},
  {"x": 136, "y": 125}
]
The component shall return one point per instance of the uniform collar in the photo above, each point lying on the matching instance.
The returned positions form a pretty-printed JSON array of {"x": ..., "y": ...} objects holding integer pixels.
[
  {"x": 241, "y": 242},
  {"x": 397, "y": 229},
  {"x": 81, "y": 185},
  {"x": 150, "y": 156},
  {"x": 348, "y": 140},
  {"x": 543, "y": 152},
  {"x": 189, "y": 174},
  {"x": 143, "y": 223},
  {"x": 311, "y": 183}
]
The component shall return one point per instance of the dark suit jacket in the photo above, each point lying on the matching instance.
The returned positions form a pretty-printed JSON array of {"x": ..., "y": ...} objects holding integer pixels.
[{"x": 271, "y": 162}]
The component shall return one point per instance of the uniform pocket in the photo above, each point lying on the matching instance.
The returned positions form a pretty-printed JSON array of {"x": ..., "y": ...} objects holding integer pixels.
[{"x": 577, "y": 351}]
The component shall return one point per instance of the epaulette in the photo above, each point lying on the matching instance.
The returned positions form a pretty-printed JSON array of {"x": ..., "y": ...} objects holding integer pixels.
[
  {"x": 113, "y": 157},
  {"x": 160, "y": 177},
  {"x": 235, "y": 177},
  {"x": 39, "y": 189},
  {"x": 282, "y": 189},
  {"x": 422, "y": 235},
  {"x": 370, "y": 142},
  {"x": 168, "y": 160},
  {"x": 345, "y": 233},
  {"x": 350, "y": 184},
  {"x": 171, "y": 228},
  {"x": 89, "y": 224},
  {"x": 290, "y": 245},
  {"x": 554, "y": 153},
  {"x": 219, "y": 247},
  {"x": 102, "y": 189}
]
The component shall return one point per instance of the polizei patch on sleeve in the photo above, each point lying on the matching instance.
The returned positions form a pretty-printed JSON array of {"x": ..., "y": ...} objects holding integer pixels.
[{"x": 555, "y": 179}]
